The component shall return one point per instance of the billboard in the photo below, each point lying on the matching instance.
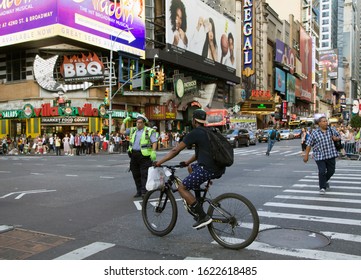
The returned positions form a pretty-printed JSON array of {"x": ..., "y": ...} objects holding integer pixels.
[
  {"x": 285, "y": 55},
  {"x": 329, "y": 62},
  {"x": 280, "y": 81},
  {"x": 117, "y": 24},
  {"x": 291, "y": 88},
  {"x": 306, "y": 58},
  {"x": 196, "y": 31}
]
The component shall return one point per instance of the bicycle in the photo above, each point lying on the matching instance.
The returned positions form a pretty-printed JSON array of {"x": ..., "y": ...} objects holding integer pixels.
[{"x": 235, "y": 221}]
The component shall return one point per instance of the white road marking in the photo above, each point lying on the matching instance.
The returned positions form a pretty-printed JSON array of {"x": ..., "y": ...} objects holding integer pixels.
[
  {"x": 309, "y": 218},
  {"x": 270, "y": 186},
  {"x": 71, "y": 175},
  {"x": 1, "y": 171},
  {"x": 324, "y": 198},
  {"x": 314, "y": 207},
  {"x": 301, "y": 253},
  {"x": 331, "y": 181},
  {"x": 37, "y": 174},
  {"x": 106, "y": 177},
  {"x": 86, "y": 251}
]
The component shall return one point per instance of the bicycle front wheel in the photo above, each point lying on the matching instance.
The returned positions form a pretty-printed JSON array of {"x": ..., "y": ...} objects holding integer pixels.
[
  {"x": 159, "y": 212},
  {"x": 235, "y": 221}
]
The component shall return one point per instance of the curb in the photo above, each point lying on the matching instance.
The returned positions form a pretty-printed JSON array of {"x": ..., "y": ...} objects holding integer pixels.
[{"x": 5, "y": 228}]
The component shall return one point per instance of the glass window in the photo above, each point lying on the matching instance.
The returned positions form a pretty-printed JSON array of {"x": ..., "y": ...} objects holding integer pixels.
[{"x": 16, "y": 66}]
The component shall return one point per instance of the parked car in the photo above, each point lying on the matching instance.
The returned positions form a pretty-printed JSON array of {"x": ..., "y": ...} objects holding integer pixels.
[
  {"x": 297, "y": 132},
  {"x": 237, "y": 137},
  {"x": 286, "y": 134}
]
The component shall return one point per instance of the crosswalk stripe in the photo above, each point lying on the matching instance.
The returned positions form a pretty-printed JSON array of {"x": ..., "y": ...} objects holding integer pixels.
[
  {"x": 86, "y": 251},
  {"x": 333, "y": 181},
  {"x": 314, "y": 207},
  {"x": 333, "y": 186},
  {"x": 294, "y": 197},
  {"x": 336, "y": 177},
  {"x": 301, "y": 253},
  {"x": 302, "y": 217},
  {"x": 328, "y": 193}
]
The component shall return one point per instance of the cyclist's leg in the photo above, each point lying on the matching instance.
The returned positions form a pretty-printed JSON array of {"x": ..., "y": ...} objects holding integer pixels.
[{"x": 193, "y": 181}]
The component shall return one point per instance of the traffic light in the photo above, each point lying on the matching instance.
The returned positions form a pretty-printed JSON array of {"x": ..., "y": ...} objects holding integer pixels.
[
  {"x": 106, "y": 96},
  {"x": 161, "y": 78},
  {"x": 157, "y": 78}
]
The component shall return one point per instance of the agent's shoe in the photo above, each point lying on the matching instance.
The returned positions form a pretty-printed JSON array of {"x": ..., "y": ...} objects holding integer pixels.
[
  {"x": 137, "y": 195},
  {"x": 202, "y": 222},
  {"x": 327, "y": 185},
  {"x": 322, "y": 191},
  {"x": 267, "y": 153}
]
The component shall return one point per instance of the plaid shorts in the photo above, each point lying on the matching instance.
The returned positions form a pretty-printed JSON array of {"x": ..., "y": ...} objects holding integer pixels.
[{"x": 198, "y": 176}]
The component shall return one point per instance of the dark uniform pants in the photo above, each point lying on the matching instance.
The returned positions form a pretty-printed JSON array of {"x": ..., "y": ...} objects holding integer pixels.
[{"x": 139, "y": 165}]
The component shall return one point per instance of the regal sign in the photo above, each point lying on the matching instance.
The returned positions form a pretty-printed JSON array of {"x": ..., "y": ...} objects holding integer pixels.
[{"x": 248, "y": 38}]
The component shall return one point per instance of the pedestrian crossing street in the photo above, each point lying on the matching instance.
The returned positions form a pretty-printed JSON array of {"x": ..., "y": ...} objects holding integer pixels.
[{"x": 336, "y": 215}]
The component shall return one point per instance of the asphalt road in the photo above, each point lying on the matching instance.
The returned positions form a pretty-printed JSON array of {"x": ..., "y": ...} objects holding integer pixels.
[{"x": 83, "y": 208}]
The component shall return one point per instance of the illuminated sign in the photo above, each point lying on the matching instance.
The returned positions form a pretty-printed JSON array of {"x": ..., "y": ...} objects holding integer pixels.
[
  {"x": 261, "y": 106},
  {"x": 82, "y": 68},
  {"x": 248, "y": 38},
  {"x": 260, "y": 95},
  {"x": 116, "y": 24}
]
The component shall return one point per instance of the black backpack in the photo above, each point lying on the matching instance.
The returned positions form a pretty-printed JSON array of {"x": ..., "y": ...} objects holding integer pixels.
[
  {"x": 221, "y": 150},
  {"x": 273, "y": 134}
]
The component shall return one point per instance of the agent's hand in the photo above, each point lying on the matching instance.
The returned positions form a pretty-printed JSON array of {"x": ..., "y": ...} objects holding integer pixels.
[
  {"x": 127, "y": 119},
  {"x": 153, "y": 156},
  {"x": 183, "y": 164}
]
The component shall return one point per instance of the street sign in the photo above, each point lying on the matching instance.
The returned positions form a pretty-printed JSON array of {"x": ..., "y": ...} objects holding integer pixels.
[{"x": 137, "y": 82}]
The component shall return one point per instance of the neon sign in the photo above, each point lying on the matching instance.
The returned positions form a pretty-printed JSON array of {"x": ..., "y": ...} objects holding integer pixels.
[{"x": 248, "y": 38}]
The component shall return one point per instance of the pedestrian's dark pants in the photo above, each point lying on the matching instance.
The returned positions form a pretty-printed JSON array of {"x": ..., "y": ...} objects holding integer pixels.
[
  {"x": 326, "y": 168},
  {"x": 139, "y": 165}
]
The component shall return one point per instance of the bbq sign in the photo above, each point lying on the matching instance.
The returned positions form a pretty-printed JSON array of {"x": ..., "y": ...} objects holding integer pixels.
[{"x": 79, "y": 68}]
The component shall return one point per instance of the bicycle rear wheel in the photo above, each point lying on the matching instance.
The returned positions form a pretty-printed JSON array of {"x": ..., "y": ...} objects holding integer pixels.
[
  {"x": 235, "y": 221},
  {"x": 159, "y": 212}
]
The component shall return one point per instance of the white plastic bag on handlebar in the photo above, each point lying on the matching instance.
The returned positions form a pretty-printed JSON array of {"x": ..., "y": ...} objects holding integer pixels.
[
  {"x": 155, "y": 178},
  {"x": 167, "y": 172}
]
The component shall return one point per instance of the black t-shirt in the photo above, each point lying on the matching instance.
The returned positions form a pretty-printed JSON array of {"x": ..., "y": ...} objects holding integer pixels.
[{"x": 199, "y": 138}]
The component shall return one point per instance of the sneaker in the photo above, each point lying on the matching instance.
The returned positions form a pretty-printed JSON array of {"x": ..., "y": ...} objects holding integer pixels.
[
  {"x": 202, "y": 222},
  {"x": 137, "y": 195},
  {"x": 322, "y": 191}
]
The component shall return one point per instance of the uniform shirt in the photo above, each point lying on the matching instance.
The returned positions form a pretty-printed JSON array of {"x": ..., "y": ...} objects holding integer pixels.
[
  {"x": 322, "y": 144},
  {"x": 138, "y": 136},
  {"x": 199, "y": 138}
]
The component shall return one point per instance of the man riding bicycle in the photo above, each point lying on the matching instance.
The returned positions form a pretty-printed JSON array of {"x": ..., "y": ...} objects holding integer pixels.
[{"x": 200, "y": 172}]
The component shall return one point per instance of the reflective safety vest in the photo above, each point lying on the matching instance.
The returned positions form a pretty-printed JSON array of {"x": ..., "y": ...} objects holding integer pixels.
[{"x": 145, "y": 143}]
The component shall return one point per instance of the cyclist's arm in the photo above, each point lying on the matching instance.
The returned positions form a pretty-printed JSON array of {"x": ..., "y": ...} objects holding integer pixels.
[{"x": 172, "y": 153}]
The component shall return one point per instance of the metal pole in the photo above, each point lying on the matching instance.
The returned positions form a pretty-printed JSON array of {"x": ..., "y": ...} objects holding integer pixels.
[{"x": 110, "y": 92}]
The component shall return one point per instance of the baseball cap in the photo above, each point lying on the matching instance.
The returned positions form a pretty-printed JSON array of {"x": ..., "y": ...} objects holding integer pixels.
[
  {"x": 200, "y": 115},
  {"x": 144, "y": 118}
]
